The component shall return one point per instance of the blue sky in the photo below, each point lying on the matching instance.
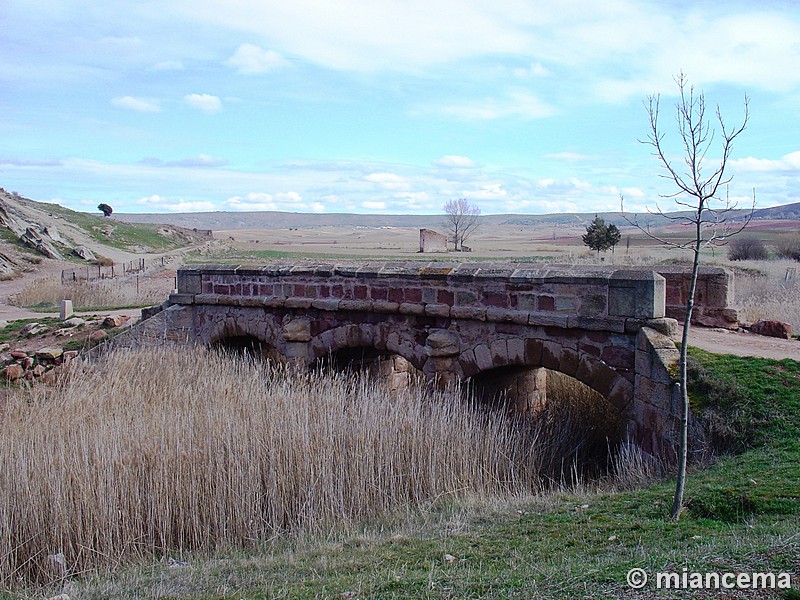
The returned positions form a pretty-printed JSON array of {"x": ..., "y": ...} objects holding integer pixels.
[{"x": 383, "y": 106}]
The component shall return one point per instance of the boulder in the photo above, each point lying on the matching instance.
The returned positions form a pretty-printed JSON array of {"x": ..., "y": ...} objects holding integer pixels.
[
  {"x": 19, "y": 354},
  {"x": 98, "y": 335},
  {"x": 75, "y": 322},
  {"x": 84, "y": 253},
  {"x": 26, "y": 329},
  {"x": 49, "y": 354},
  {"x": 777, "y": 329},
  {"x": 3, "y": 323},
  {"x": 115, "y": 320},
  {"x": 13, "y": 372}
]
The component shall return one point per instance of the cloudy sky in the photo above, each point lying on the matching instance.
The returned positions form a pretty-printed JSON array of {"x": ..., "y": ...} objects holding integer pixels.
[{"x": 384, "y": 106}]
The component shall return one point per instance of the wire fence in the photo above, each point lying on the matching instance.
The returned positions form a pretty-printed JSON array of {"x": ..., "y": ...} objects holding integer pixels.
[{"x": 95, "y": 272}]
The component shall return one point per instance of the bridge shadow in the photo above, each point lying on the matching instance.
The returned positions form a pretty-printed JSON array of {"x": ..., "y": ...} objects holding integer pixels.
[
  {"x": 574, "y": 428},
  {"x": 392, "y": 370}
]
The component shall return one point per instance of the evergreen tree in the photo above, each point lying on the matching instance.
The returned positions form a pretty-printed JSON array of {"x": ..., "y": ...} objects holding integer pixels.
[{"x": 600, "y": 236}]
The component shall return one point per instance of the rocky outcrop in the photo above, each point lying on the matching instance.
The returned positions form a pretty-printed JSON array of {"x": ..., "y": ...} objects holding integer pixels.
[
  {"x": 777, "y": 329},
  {"x": 34, "y": 239}
]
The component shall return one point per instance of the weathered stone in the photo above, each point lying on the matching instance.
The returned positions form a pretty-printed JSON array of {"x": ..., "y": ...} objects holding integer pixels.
[
  {"x": 75, "y": 322},
  {"x": 441, "y": 342},
  {"x": 777, "y": 329},
  {"x": 112, "y": 321},
  {"x": 19, "y": 354},
  {"x": 49, "y": 353},
  {"x": 98, "y": 335},
  {"x": 28, "y": 328},
  {"x": 84, "y": 253},
  {"x": 13, "y": 372}
]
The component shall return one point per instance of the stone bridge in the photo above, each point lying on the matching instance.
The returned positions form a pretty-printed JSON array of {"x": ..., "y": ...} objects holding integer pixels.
[{"x": 606, "y": 327}]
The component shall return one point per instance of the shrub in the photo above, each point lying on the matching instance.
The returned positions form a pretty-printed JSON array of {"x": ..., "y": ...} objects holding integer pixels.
[
  {"x": 747, "y": 248},
  {"x": 788, "y": 246}
]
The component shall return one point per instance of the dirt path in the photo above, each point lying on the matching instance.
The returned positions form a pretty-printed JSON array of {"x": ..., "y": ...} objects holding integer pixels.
[{"x": 741, "y": 343}]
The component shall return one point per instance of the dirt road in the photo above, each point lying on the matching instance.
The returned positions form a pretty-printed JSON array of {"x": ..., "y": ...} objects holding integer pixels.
[{"x": 742, "y": 343}]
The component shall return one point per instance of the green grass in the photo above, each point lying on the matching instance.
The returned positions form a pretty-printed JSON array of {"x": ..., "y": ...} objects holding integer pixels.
[
  {"x": 125, "y": 236},
  {"x": 255, "y": 256},
  {"x": 743, "y": 515},
  {"x": 11, "y": 331}
]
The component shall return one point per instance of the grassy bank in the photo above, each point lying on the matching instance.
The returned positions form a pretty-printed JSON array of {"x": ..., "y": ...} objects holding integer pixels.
[{"x": 741, "y": 516}]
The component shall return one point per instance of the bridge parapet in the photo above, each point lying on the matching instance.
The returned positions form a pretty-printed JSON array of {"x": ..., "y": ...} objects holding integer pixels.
[{"x": 592, "y": 298}]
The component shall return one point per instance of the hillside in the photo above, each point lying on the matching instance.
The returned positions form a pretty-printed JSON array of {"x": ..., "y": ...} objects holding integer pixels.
[
  {"x": 33, "y": 231},
  {"x": 228, "y": 221}
]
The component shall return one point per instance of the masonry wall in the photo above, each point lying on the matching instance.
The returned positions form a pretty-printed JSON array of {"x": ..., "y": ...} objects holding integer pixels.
[
  {"x": 713, "y": 298},
  {"x": 432, "y": 241}
]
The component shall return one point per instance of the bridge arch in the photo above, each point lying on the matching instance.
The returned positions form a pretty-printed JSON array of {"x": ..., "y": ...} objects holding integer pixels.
[{"x": 602, "y": 325}]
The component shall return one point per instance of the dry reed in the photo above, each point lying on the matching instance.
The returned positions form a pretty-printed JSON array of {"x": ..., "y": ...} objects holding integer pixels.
[
  {"x": 770, "y": 292},
  {"x": 158, "y": 451},
  {"x": 101, "y": 293}
]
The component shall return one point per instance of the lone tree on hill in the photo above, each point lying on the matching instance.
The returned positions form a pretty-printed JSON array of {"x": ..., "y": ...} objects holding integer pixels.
[
  {"x": 105, "y": 209},
  {"x": 600, "y": 236},
  {"x": 699, "y": 185},
  {"x": 461, "y": 220}
]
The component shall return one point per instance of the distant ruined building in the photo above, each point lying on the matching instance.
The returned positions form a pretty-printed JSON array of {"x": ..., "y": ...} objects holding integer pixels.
[{"x": 432, "y": 241}]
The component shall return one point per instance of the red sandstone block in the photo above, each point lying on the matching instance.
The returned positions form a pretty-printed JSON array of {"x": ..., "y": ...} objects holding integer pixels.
[
  {"x": 395, "y": 294},
  {"x": 413, "y": 295},
  {"x": 220, "y": 288},
  {"x": 299, "y": 290},
  {"x": 495, "y": 299},
  {"x": 445, "y": 297},
  {"x": 337, "y": 291},
  {"x": 547, "y": 303},
  {"x": 618, "y": 357},
  {"x": 324, "y": 291},
  {"x": 360, "y": 292},
  {"x": 379, "y": 293}
]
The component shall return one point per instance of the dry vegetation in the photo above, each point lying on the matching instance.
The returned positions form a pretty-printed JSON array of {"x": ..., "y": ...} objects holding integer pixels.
[
  {"x": 170, "y": 450},
  {"x": 769, "y": 290},
  {"x": 48, "y": 292},
  {"x": 151, "y": 453}
]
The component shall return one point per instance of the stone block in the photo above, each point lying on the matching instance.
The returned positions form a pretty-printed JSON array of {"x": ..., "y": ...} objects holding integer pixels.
[
  {"x": 516, "y": 351},
  {"x": 638, "y": 294},
  {"x": 437, "y": 310},
  {"x": 483, "y": 357},
  {"x": 569, "y": 362},
  {"x": 533, "y": 352},
  {"x": 474, "y": 313},
  {"x": 409, "y": 308},
  {"x": 551, "y": 355},
  {"x": 499, "y": 349},
  {"x": 385, "y": 307},
  {"x": 441, "y": 342},
  {"x": 297, "y": 330}
]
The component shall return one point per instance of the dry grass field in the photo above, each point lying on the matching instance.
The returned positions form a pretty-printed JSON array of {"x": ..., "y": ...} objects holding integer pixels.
[{"x": 153, "y": 453}]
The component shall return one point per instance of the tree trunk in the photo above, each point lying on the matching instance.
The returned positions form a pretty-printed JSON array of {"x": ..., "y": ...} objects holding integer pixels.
[{"x": 683, "y": 449}]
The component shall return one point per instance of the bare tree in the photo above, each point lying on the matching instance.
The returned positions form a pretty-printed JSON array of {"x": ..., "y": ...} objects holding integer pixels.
[
  {"x": 699, "y": 182},
  {"x": 461, "y": 220}
]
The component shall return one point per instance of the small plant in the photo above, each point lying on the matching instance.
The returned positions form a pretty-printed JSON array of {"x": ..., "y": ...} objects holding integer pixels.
[{"x": 105, "y": 209}]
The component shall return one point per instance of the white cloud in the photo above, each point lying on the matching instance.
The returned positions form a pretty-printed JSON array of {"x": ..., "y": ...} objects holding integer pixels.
[
  {"x": 373, "y": 205},
  {"x": 389, "y": 181},
  {"x": 253, "y": 60},
  {"x": 517, "y": 104},
  {"x": 159, "y": 202},
  {"x": 143, "y": 105},
  {"x": 788, "y": 162},
  {"x": 203, "y": 102},
  {"x": 201, "y": 161},
  {"x": 455, "y": 161}
]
